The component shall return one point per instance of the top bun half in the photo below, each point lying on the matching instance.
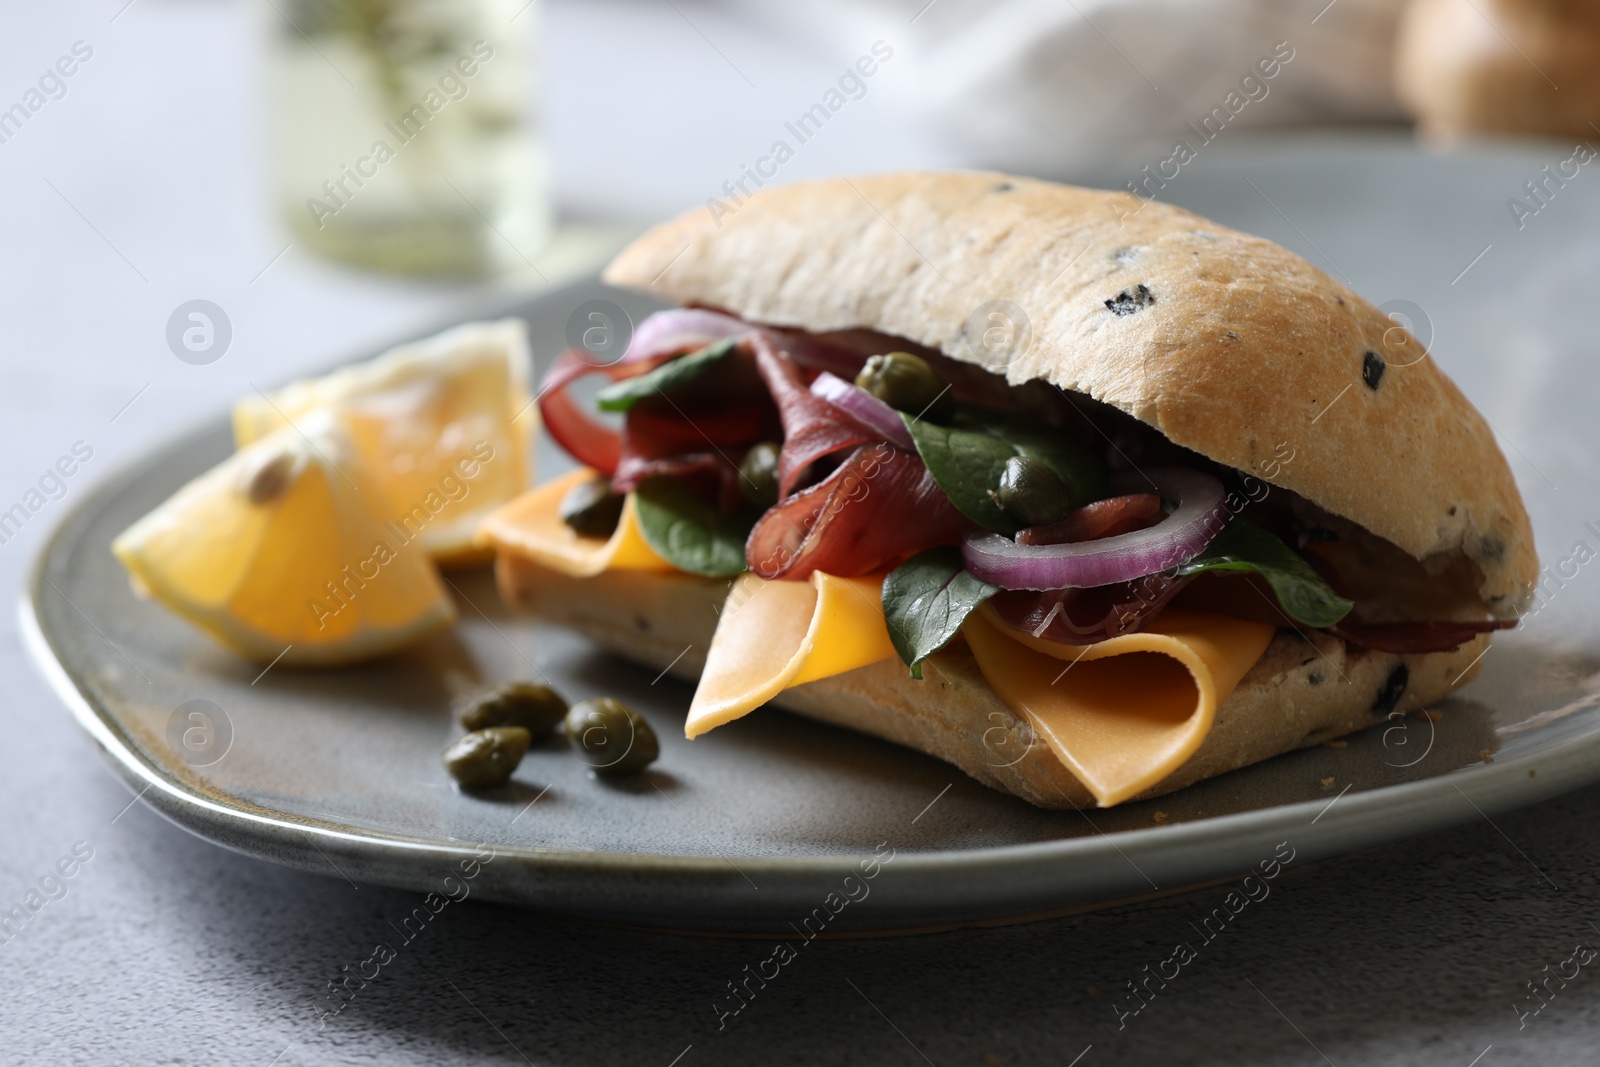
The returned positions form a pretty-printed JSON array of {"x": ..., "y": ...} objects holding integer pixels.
[{"x": 1225, "y": 343}]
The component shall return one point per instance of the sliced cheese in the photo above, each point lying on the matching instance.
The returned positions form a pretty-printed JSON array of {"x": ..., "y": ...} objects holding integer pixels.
[
  {"x": 773, "y": 635},
  {"x": 1121, "y": 714},
  {"x": 1126, "y": 712},
  {"x": 531, "y": 525}
]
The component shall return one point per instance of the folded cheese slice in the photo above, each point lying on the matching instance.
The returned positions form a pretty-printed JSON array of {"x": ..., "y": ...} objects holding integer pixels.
[
  {"x": 1126, "y": 712},
  {"x": 774, "y": 635},
  {"x": 531, "y": 525}
]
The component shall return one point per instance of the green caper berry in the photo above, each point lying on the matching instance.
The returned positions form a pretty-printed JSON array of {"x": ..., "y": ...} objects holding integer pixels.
[
  {"x": 485, "y": 758},
  {"x": 1032, "y": 492},
  {"x": 536, "y": 708},
  {"x": 591, "y": 509},
  {"x": 758, "y": 475},
  {"x": 901, "y": 380},
  {"x": 613, "y": 738}
]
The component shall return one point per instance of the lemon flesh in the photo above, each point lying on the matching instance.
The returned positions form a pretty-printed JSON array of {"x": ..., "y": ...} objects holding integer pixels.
[
  {"x": 444, "y": 425},
  {"x": 277, "y": 552}
]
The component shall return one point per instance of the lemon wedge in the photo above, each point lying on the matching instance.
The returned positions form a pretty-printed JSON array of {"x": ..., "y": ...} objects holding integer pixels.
[
  {"x": 277, "y": 553},
  {"x": 444, "y": 425}
]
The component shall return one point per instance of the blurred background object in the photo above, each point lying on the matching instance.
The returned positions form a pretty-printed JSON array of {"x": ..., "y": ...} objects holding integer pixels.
[
  {"x": 1501, "y": 67},
  {"x": 1050, "y": 88},
  {"x": 406, "y": 133},
  {"x": 404, "y": 137}
]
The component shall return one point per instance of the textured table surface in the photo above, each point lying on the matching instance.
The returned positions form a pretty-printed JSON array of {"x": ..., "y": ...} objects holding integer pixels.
[{"x": 140, "y": 189}]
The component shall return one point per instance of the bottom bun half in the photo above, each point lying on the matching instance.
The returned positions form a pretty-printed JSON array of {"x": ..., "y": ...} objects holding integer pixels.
[{"x": 1304, "y": 690}]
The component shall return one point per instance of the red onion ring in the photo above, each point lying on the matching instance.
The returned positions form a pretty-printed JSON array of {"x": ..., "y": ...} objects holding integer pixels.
[
  {"x": 667, "y": 333},
  {"x": 1000, "y": 561},
  {"x": 585, "y": 440},
  {"x": 817, "y": 353},
  {"x": 865, "y": 408},
  {"x": 676, "y": 330}
]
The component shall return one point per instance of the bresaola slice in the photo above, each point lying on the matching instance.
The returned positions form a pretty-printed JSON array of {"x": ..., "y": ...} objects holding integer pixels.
[
  {"x": 1409, "y": 638},
  {"x": 877, "y": 508},
  {"x": 1086, "y": 616},
  {"x": 705, "y": 430},
  {"x": 702, "y": 468},
  {"x": 812, "y": 427},
  {"x": 1103, "y": 518}
]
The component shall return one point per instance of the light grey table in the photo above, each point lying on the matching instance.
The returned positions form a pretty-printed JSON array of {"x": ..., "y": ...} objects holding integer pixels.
[{"x": 141, "y": 189}]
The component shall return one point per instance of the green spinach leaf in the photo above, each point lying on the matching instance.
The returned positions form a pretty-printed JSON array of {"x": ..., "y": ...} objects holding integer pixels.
[
  {"x": 967, "y": 466},
  {"x": 925, "y": 601},
  {"x": 1301, "y": 592},
  {"x": 689, "y": 533},
  {"x": 966, "y": 461},
  {"x": 671, "y": 375}
]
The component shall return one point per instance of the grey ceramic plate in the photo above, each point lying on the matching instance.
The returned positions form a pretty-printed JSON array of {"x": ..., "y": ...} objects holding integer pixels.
[{"x": 755, "y": 826}]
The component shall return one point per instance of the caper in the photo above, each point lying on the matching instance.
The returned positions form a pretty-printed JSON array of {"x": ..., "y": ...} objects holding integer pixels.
[
  {"x": 758, "y": 475},
  {"x": 485, "y": 758},
  {"x": 591, "y": 509},
  {"x": 536, "y": 708},
  {"x": 613, "y": 738},
  {"x": 901, "y": 380},
  {"x": 1032, "y": 492}
]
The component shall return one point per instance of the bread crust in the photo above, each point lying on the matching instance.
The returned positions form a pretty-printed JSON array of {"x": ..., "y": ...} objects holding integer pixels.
[
  {"x": 1225, "y": 343},
  {"x": 1500, "y": 66},
  {"x": 1301, "y": 692}
]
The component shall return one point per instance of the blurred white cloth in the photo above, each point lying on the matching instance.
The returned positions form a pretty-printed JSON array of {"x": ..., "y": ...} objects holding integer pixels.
[{"x": 1049, "y": 86}]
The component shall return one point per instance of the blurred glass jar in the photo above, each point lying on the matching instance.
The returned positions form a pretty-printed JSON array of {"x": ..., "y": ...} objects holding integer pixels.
[{"x": 403, "y": 133}]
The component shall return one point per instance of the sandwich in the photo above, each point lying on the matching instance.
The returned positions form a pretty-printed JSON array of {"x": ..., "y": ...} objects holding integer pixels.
[{"x": 1085, "y": 495}]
